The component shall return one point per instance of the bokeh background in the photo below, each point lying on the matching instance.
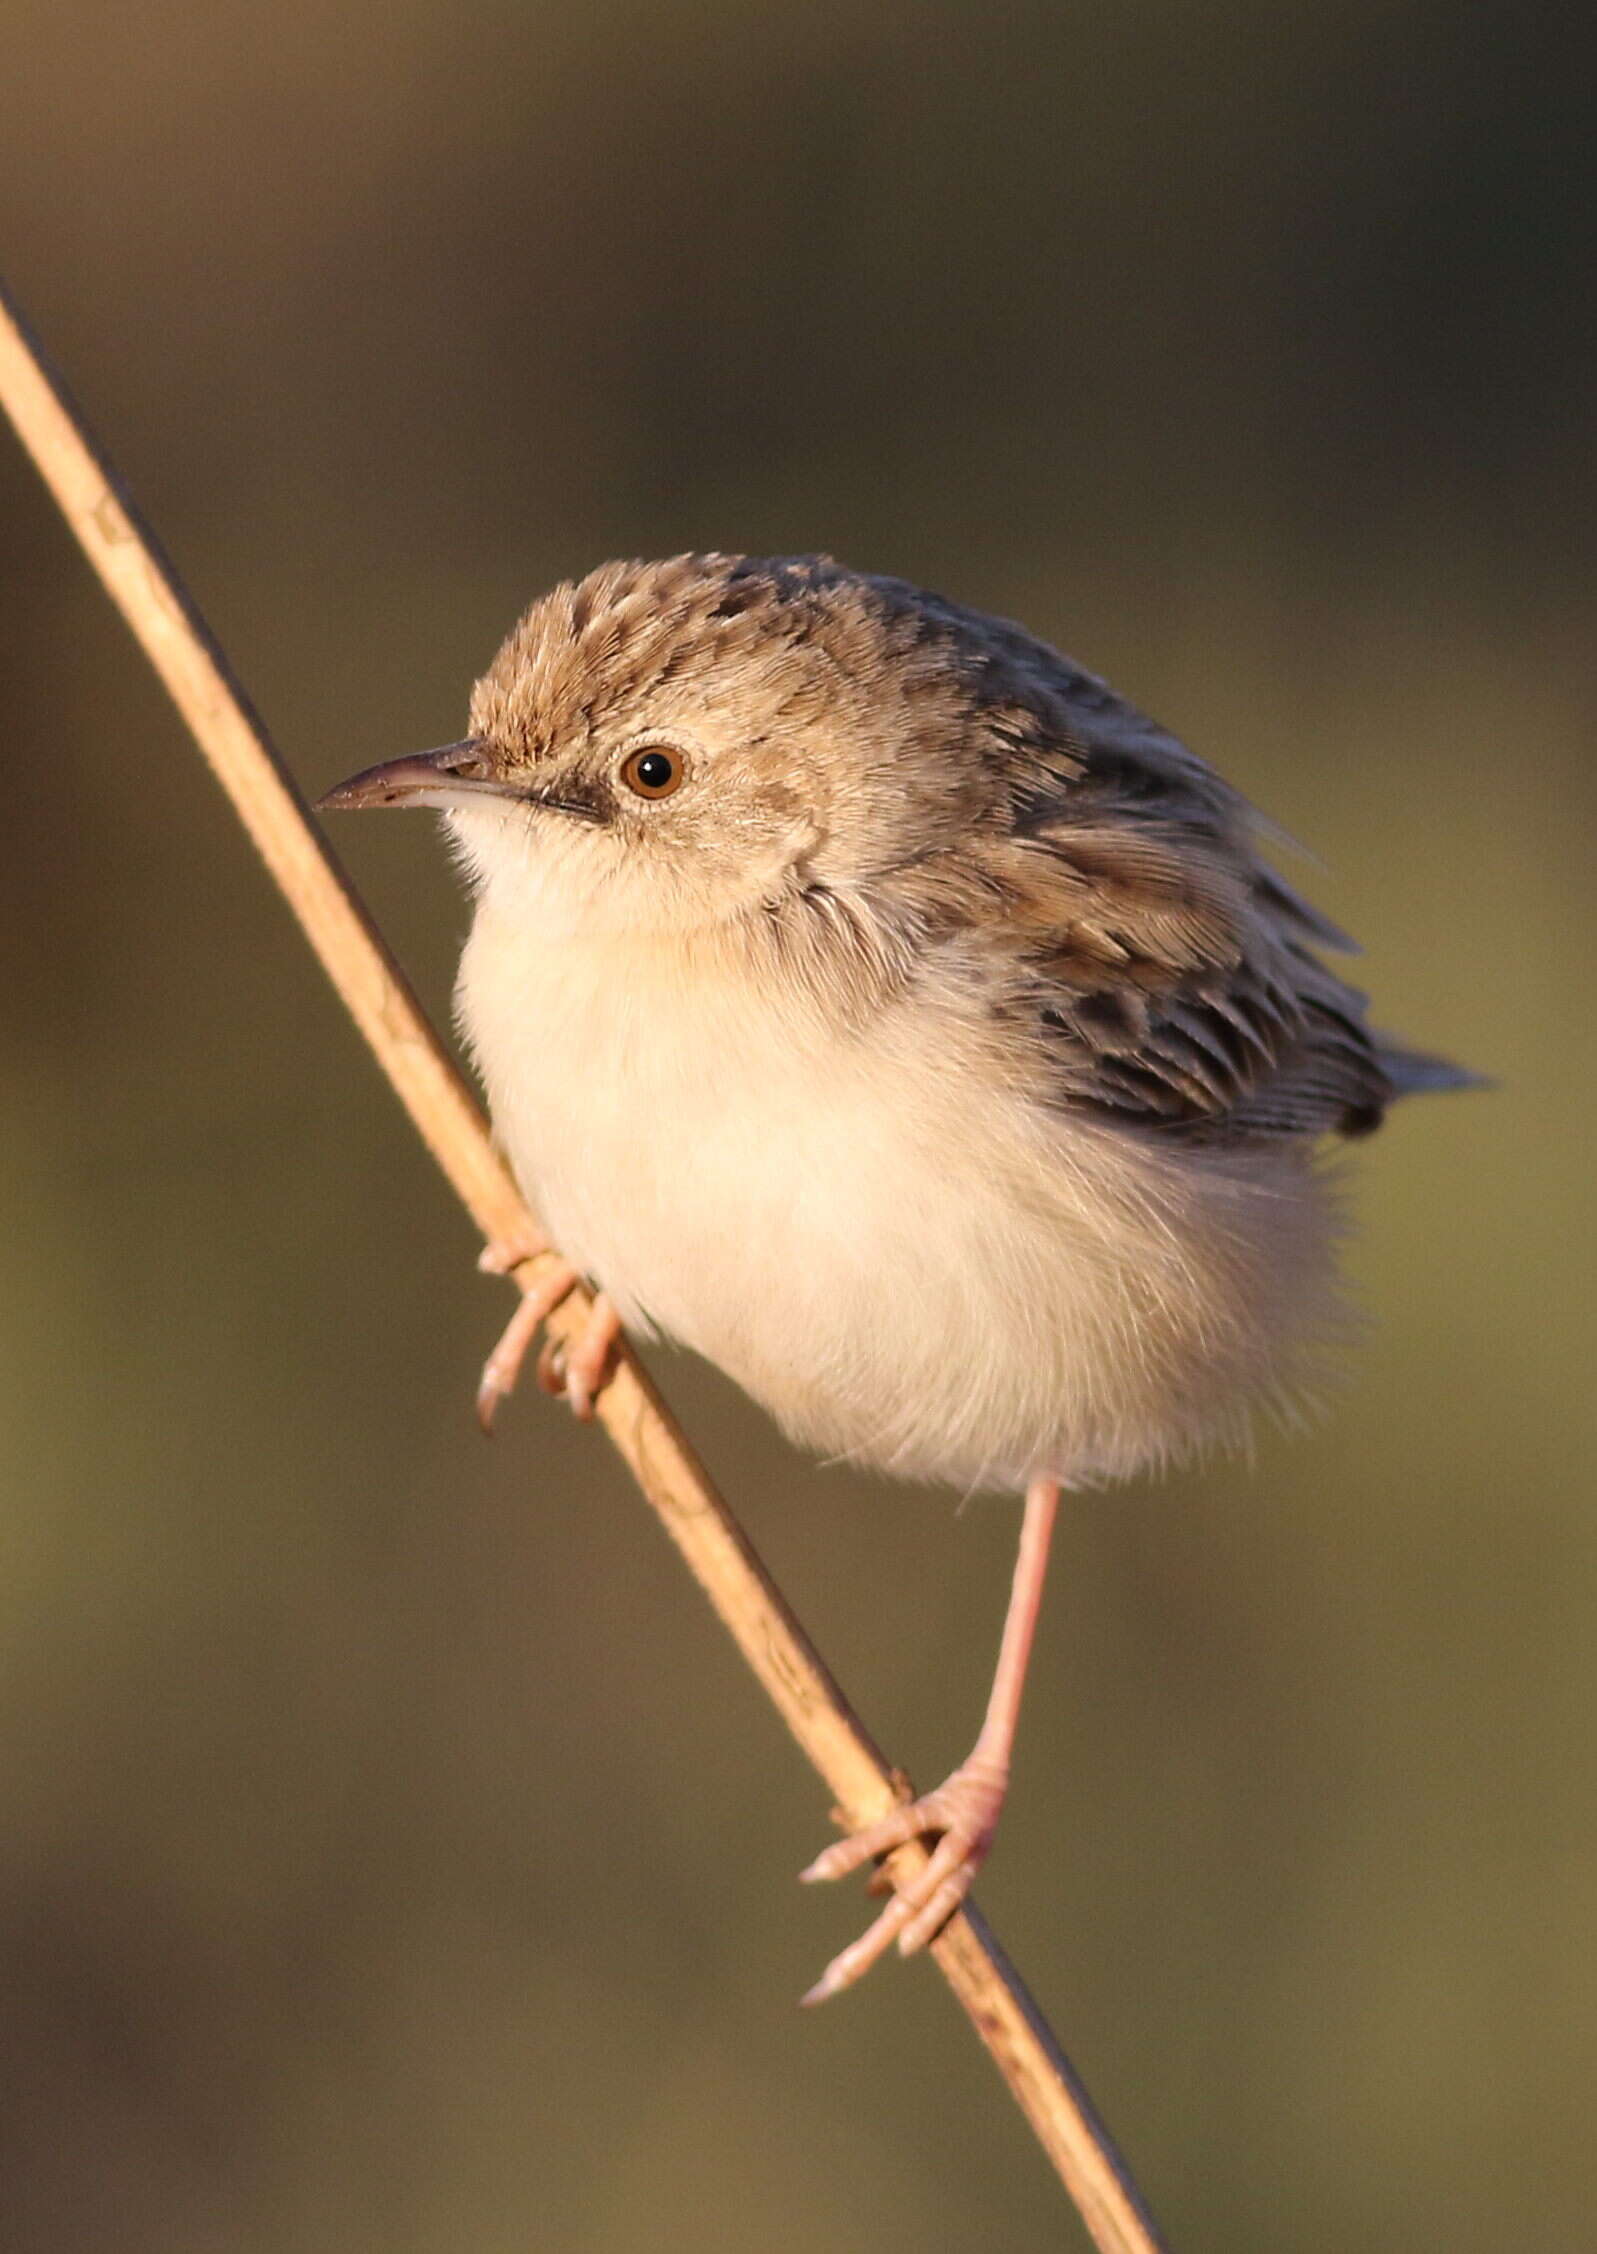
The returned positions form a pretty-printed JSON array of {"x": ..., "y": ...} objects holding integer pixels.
[{"x": 392, "y": 1853}]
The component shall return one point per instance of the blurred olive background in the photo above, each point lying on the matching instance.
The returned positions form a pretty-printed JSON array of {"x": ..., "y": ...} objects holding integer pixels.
[{"x": 392, "y": 1852}]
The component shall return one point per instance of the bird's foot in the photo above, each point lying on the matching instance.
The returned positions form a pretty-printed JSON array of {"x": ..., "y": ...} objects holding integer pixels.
[
  {"x": 503, "y": 1366},
  {"x": 579, "y": 1368},
  {"x": 965, "y": 1811}
]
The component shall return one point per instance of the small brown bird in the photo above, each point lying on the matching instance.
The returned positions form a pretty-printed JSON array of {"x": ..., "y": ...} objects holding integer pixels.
[{"x": 870, "y": 999}]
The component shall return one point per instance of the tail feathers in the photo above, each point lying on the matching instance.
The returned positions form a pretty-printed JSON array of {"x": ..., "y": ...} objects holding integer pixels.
[{"x": 1413, "y": 1073}]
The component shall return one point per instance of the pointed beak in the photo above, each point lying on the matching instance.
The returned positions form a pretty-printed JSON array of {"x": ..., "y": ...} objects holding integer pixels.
[{"x": 440, "y": 778}]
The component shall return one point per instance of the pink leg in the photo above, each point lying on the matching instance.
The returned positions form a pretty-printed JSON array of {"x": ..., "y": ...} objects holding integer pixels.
[{"x": 965, "y": 1809}]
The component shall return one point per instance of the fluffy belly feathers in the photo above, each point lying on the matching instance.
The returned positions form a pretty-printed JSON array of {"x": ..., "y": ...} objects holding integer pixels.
[{"x": 904, "y": 1261}]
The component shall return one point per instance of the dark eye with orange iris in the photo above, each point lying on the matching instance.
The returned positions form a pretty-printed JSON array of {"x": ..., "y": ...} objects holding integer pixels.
[{"x": 654, "y": 773}]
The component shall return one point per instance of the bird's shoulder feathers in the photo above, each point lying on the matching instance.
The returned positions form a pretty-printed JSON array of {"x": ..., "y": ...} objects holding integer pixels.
[{"x": 1172, "y": 978}]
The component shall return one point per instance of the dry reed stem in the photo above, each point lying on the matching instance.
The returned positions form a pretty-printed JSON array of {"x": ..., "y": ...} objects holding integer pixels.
[{"x": 446, "y": 1115}]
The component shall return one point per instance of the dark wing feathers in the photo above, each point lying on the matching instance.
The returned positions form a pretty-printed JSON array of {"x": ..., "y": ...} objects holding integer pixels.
[
  {"x": 1173, "y": 976},
  {"x": 1173, "y": 971},
  {"x": 1210, "y": 1022}
]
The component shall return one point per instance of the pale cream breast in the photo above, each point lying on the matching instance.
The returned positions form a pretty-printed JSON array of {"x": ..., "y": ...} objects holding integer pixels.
[{"x": 904, "y": 1260}]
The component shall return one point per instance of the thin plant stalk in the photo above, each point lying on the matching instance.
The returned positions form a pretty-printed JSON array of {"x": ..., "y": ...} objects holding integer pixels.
[{"x": 447, "y": 1116}]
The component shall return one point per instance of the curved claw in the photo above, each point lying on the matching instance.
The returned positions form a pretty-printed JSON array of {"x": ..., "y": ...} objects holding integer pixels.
[
  {"x": 551, "y": 1369},
  {"x": 588, "y": 1356}
]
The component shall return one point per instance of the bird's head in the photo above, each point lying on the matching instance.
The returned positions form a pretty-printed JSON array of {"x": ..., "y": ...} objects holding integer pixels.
[{"x": 668, "y": 745}]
